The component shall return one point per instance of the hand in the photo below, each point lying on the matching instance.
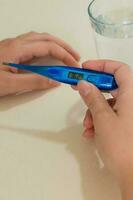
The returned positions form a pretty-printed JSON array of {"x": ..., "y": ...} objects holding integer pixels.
[
  {"x": 25, "y": 48},
  {"x": 111, "y": 122}
]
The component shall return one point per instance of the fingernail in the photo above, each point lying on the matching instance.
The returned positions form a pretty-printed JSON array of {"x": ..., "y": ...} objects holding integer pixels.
[{"x": 84, "y": 88}]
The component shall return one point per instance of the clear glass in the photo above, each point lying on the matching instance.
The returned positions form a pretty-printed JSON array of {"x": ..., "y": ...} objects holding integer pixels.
[{"x": 112, "y": 22}]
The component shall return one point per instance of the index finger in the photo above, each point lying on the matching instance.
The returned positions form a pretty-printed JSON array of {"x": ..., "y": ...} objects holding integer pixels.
[
  {"x": 122, "y": 72},
  {"x": 34, "y": 36},
  {"x": 41, "y": 49}
]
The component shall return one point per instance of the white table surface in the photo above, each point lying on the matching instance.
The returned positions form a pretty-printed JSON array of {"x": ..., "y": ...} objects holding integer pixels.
[{"x": 42, "y": 153}]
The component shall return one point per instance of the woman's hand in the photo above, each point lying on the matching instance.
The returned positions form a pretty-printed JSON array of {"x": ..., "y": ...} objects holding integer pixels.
[
  {"x": 111, "y": 122},
  {"x": 25, "y": 48}
]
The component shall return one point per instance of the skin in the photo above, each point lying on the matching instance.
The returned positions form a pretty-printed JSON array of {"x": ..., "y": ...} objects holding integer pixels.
[
  {"x": 25, "y": 48},
  {"x": 110, "y": 122}
]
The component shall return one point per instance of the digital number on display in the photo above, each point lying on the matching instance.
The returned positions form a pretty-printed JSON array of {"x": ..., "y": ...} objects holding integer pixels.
[{"x": 74, "y": 75}]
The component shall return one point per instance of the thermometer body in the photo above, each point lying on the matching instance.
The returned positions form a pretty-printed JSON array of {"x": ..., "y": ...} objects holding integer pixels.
[{"x": 72, "y": 75}]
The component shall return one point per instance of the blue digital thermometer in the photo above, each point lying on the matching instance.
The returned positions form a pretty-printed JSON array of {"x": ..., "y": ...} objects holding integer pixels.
[{"x": 71, "y": 75}]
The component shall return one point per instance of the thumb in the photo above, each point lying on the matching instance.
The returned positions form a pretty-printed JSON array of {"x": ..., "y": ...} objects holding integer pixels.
[{"x": 94, "y": 99}]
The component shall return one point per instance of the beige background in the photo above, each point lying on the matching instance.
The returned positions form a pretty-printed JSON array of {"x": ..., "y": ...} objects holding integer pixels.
[{"x": 42, "y": 153}]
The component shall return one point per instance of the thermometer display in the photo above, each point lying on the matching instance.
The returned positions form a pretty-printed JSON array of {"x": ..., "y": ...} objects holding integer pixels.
[{"x": 74, "y": 75}]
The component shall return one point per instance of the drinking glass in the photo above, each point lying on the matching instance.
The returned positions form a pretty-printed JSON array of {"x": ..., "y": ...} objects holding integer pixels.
[{"x": 112, "y": 22}]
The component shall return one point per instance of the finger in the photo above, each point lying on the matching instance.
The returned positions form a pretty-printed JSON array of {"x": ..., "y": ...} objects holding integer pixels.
[
  {"x": 89, "y": 133},
  {"x": 5, "y": 83},
  {"x": 114, "y": 93},
  {"x": 8, "y": 69},
  {"x": 124, "y": 78},
  {"x": 25, "y": 82},
  {"x": 96, "y": 102},
  {"x": 88, "y": 121},
  {"x": 121, "y": 71},
  {"x": 6, "y": 42},
  {"x": 26, "y": 35},
  {"x": 42, "y": 49},
  {"x": 34, "y": 36}
]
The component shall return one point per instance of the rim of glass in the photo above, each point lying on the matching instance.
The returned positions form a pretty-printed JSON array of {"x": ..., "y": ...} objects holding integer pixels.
[{"x": 98, "y": 21}]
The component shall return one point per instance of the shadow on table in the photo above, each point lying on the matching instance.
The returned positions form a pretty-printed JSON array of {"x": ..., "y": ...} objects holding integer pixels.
[
  {"x": 96, "y": 182},
  {"x": 9, "y": 102}
]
